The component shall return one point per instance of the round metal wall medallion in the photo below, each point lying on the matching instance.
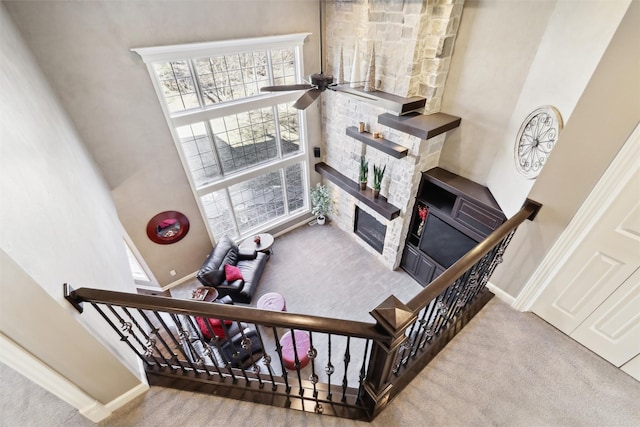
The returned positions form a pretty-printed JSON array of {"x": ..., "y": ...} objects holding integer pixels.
[{"x": 536, "y": 138}]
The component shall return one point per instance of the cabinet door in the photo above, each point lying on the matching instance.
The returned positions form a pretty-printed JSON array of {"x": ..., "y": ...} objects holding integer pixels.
[
  {"x": 410, "y": 259},
  {"x": 425, "y": 269},
  {"x": 475, "y": 217}
]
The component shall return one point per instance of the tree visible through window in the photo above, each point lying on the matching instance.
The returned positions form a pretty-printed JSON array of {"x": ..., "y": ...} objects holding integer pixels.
[{"x": 243, "y": 150}]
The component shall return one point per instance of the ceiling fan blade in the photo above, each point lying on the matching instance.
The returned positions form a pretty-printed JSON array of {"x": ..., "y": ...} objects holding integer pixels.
[
  {"x": 307, "y": 99},
  {"x": 286, "y": 88}
]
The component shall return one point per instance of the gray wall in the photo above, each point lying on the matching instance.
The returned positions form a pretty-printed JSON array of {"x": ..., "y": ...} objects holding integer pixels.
[
  {"x": 59, "y": 225},
  {"x": 83, "y": 49},
  {"x": 602, "y": 121}
]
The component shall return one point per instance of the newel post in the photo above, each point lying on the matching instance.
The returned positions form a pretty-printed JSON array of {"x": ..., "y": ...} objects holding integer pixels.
[{"x": 393, "y": 318}]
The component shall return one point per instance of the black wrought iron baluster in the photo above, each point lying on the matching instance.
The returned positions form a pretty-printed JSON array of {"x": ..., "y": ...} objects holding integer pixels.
[
  {"x": 347, "y": 359},
  {"x": 405, "y": 347},
  {"x": 427, "y": 325},
  {"x": 266, "y": 359},
  {"x": 236, "y": 353},
  {"x": 246, "y": 345},
  {"x": 149, "y": 345},
  {"x": 176, "y": 344},
  {"x": 122, "y": 336},
  {"x": 422, "y": 329},
  {"x": 448, "y": 303},
  {"x": 208, "y": 350},
  {"x": 218, "y": 342},
  {"x": 312, "y": 353},
  {"x": 187, "y": 339},
  {"x": 285, "y": 373},
  {"x": 126, "y": 326},
  {"x": 363, "y": 369},
  {"x": 329, "y": 369},
  {"x": 296, "y": 361},
  {"x": 153, "y": 330}
]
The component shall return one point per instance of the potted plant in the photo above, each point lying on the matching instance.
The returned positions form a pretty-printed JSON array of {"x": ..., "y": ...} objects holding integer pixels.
[
  {"x": 321, "y": 202},
  {"x": 364, "y": 173},
  {"x": 378, "y": 174}
]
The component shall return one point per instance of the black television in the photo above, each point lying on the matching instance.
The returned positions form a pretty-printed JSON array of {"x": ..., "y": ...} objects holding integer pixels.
[{"x": 443, "y": 243}]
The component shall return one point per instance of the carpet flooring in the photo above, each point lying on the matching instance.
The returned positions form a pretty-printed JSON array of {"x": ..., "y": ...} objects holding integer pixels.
[{"x": 505, "y": 368}]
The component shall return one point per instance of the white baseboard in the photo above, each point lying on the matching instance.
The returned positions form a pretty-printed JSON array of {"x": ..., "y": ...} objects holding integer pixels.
[
  {"x": 502, "y": 295},
  {"x": 22, "y": 361}
]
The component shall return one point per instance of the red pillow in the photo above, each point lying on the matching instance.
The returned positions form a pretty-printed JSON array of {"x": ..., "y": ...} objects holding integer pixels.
[
  {"x": 218, "y": 331},
  {"x": 232, "y": 273}
]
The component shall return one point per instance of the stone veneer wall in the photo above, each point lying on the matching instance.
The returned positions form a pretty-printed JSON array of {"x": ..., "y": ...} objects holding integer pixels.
[{"x": 413, "y": 42}]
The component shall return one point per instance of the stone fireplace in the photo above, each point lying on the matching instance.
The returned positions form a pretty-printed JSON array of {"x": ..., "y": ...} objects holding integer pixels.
[{"x": 413, "y": 43}]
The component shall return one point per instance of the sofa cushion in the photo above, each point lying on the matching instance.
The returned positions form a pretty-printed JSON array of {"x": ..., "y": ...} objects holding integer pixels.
[
  {"x": 231, "y": 257},
  {"x": 232, "y": 273},
  {"x": 212, "y": 277}
]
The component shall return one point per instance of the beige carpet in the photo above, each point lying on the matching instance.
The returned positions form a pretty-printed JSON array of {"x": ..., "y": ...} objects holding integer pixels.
[{"x": 505, "y": 368}]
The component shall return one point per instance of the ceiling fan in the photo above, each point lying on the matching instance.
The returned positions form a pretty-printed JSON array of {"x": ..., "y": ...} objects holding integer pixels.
[{"x": 318, "y": 83}]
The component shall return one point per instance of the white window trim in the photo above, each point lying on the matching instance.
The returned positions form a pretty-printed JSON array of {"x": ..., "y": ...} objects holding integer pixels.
[
  {"x": 223, "y": 47},
  {"x": 151, "y": 55}
]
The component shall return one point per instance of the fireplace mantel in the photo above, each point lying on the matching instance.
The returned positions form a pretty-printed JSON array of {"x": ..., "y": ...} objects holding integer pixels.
[{"x": 379, "y": 205}]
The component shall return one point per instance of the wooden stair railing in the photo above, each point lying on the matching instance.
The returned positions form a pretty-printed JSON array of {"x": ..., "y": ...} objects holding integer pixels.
[{"x": 374, "y": 361}]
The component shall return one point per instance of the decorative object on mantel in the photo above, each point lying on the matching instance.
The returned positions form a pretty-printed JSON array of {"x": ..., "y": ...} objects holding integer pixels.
[
  {"x": 423, "y": 211},
  {"x": 355, "y": 68},
  {"x": 167, "y": 227},
  {"x": 340, "y": 78},
  {"x": 364, "y": 173},
  {"x": 321, "y": 202},
  {"x": 370, "y": 81},
  {"x": 378, "y": 174},
  {"x": 536, "y": 138}
]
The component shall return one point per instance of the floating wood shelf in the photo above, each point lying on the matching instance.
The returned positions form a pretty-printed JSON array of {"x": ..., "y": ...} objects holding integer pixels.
[
  {"x": 379, "y": 205},
  {"x": 398, "y": 104},
  {"x": 424, "y": 126},
  {"x": 384, "y": 145}
]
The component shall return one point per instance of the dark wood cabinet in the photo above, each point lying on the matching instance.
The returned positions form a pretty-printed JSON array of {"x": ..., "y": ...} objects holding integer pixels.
[{"x": 461, "y": 213}]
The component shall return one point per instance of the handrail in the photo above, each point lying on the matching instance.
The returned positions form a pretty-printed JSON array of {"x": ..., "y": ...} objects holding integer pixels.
[
  {"x": 440, "y": 283},
  {"x": 225, "y": 311}
]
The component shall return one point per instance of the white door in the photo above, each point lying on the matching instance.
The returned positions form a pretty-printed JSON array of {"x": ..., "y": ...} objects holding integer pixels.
[
  {"x": 613, "y": 330},
  {"x": 594, "y": 296}
]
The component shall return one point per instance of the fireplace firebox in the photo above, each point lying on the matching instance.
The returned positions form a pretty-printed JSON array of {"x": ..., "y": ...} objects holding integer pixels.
[{"x": 369, "y": 229}]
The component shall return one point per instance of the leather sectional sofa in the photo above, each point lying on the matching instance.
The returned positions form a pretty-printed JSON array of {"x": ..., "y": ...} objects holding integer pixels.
[{"x": 215, "y": 273}]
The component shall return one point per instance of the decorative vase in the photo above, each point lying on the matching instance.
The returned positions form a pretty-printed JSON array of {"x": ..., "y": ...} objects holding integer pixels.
[
  {"x": 370, "y": 81},
  {"x": 340, "y": 79},
  {"x": 376, "y": 193},
  {"x": 420, "y": 229},
  {"x": 363, "y": 185},
  {"x": 355, "y": 68},
  {"x": 321, "y": 219}
]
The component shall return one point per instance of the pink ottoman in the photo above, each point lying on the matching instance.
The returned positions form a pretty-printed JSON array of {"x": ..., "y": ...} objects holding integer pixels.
[
  {"x": 272, "y": 301},
  {"x": 303, "y": 343}
]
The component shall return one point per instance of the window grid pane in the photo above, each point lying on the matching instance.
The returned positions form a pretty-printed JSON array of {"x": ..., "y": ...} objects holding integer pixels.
[
  {"x": 244, "y": 140},
  {"x": 218, "y": 212},
  {"x": 294, "y": 182},
  {"x": 289, "y": 129},
  {"x": 238, "y": 142},
  {"x": 258, "y": 200},
  {"x": 177, "y": 85},
  {"x": 198, "y": 152},
  {"x": 229, "y": 77}
]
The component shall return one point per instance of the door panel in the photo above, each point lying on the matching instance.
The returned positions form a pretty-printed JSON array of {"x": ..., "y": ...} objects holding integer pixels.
[
  {"x": 603, "y": 260},
  {"x": 613, "y": 330}
]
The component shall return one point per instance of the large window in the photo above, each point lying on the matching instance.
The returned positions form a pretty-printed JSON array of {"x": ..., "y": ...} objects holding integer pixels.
[{"x": 244, "y": 150}]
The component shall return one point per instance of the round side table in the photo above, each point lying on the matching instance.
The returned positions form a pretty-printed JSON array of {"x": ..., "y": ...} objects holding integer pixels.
[{"x": 265, "y": 245}]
